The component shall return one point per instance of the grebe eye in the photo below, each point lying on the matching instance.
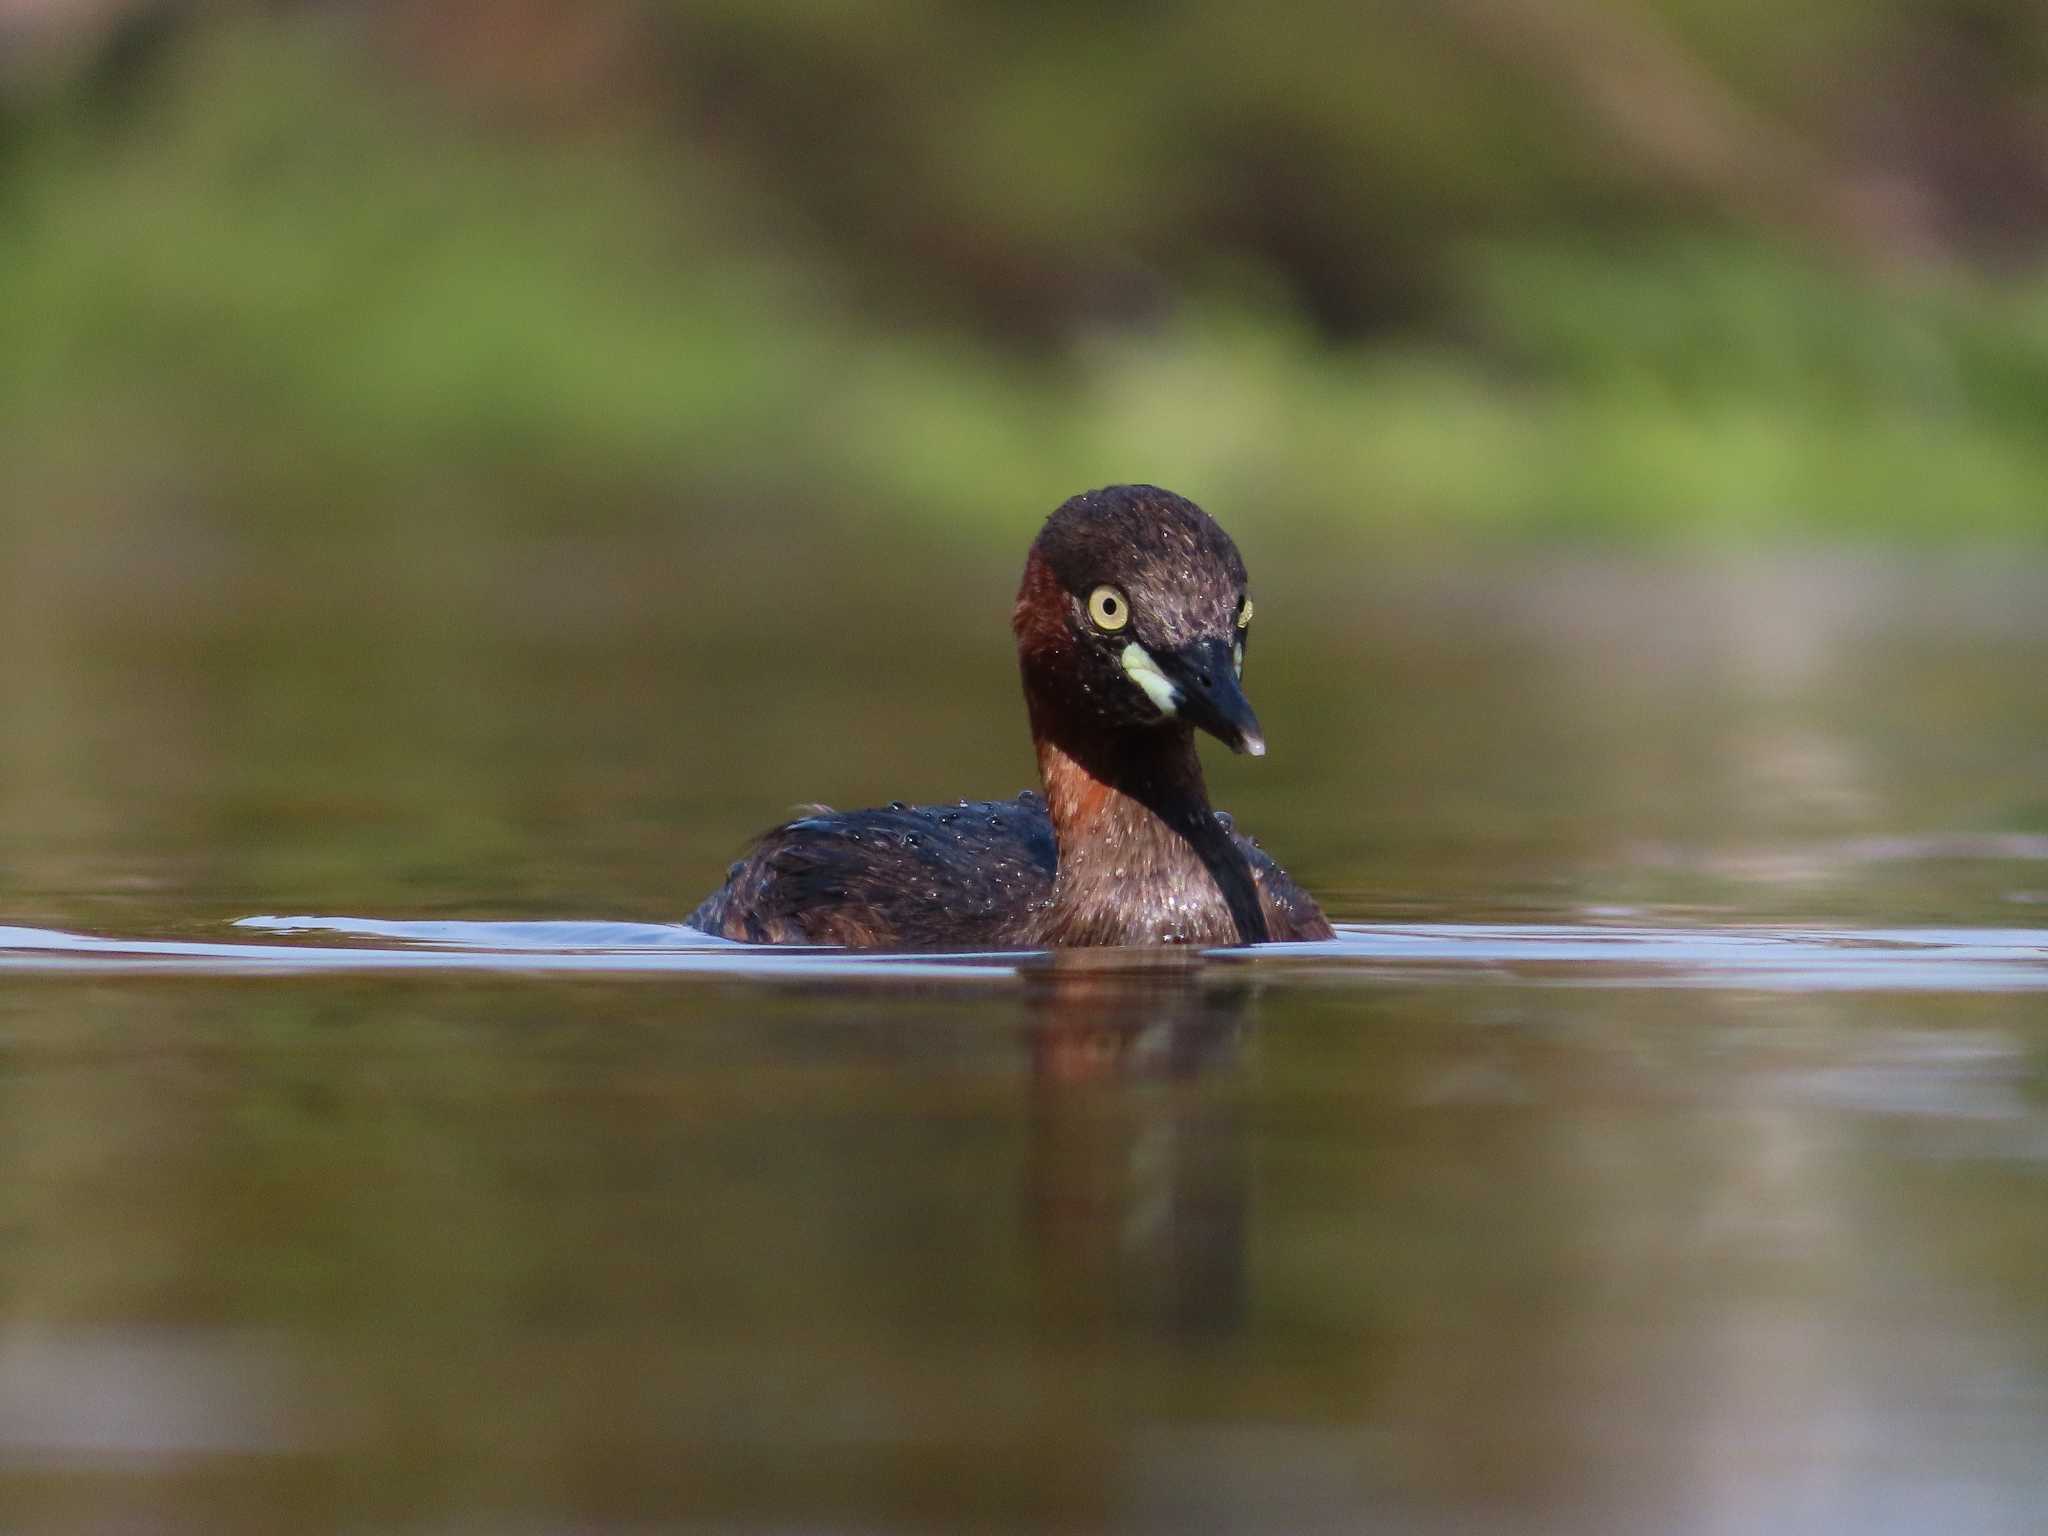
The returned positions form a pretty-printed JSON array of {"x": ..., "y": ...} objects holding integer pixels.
[
  {"x": 1109, "y": 608},
  {"x": 1244, "y": 615}
]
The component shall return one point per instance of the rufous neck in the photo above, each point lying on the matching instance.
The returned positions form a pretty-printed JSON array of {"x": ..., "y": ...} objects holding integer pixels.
[
  {"x": 1131, "y": 806},
  {"x": 1090, "y": 780}
]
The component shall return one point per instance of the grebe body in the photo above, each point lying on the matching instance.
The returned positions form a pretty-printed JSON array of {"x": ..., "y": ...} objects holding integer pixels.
[{"x": 1131, "y": 623}]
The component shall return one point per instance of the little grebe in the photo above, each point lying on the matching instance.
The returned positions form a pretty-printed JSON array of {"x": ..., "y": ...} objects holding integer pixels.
[{"x": 1131, "y": 626}]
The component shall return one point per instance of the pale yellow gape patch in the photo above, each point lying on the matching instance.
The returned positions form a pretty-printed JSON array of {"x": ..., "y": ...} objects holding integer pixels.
[{"x": 1144, "y": 671}]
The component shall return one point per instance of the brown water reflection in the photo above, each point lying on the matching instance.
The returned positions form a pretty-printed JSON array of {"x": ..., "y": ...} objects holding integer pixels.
[
  {"x": 1139, "y": 1219},
  {"x": 1180, "y": 1248},
  {"x": 1294, "y": 1244}
]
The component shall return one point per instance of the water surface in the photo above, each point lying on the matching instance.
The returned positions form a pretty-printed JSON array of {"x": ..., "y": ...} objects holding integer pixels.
[{"x": 1662, "y": 1144}]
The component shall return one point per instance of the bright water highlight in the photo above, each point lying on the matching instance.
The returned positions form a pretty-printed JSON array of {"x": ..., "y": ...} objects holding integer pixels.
[{"x": 1777, "y": 959}]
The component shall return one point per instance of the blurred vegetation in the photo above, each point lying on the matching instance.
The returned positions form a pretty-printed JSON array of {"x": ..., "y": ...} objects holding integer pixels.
[{"x": 1499, "y": 267}]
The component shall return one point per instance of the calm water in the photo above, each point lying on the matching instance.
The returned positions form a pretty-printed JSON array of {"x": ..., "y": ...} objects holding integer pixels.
[{"x": 1662, "y": 1146}]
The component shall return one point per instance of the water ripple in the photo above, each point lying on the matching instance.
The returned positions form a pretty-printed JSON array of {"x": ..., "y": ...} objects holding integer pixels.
[{"x": 1774, "y": 959}]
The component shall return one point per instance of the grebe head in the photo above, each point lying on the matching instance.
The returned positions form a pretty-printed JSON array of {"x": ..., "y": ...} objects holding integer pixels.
[{"x": 1134, "y": 614}]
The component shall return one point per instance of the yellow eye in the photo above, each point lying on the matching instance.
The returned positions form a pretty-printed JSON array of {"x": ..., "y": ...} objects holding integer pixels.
[
  {"x": 1244, "y": 615},
  {"x": 1109, "y": 608}
]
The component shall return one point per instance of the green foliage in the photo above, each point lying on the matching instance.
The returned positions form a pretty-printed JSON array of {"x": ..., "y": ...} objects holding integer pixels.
[{"x": 282, "y": 286}]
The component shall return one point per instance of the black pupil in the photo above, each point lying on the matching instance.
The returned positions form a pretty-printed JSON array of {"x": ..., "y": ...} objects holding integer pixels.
[{"x": 1109, "y": 606}]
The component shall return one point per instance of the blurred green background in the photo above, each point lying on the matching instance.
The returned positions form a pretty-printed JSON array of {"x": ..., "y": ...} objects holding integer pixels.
[{"x": 1436, "y": 274}]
